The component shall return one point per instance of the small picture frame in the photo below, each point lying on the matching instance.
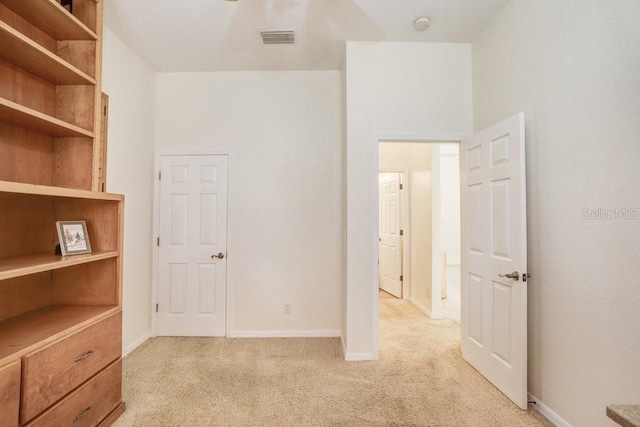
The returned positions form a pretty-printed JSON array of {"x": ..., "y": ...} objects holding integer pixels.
[{"x": 73, "y": 237}]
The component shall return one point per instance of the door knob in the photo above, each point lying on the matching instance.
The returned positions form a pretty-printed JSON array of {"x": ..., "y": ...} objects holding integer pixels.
[
  {"x": 515, "y": 275},
  {"x": 219, "y": 256}
]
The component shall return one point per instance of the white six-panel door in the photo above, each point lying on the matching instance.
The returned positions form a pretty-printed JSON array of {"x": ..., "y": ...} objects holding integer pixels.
[
  {"x": 390, "y": 247},
  {"x": 494, "y": 243},
  {"x": 193, "y": 246}
]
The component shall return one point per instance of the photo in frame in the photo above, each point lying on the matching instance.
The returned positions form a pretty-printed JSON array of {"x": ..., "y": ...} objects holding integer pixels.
[{"x": 73, "y": 237}]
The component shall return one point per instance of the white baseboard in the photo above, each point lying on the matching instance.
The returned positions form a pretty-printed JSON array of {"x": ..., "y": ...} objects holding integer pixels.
[
  {"x": 137, "y": 343},
  {"x": 548, "y": 413},
  {"x": 358, "y": 357},
  {"x": 284, "y": 334},
  {"x": 354, "y": 357},
  {"x": 426, "y": 311}
]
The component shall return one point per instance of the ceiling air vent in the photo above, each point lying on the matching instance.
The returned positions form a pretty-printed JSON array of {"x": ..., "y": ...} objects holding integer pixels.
[{"x": 278, "y": 36}]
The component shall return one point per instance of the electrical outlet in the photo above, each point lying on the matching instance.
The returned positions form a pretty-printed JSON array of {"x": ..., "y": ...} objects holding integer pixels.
[{"x": 287, "y": 308}]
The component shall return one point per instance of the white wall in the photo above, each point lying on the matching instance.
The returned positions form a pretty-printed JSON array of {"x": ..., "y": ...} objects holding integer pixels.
[
  {"x": 416, "y": 159},
  {"x": 130, "y": 84},
  {"x": 282, "y": 131},
  {"x": 450, "y": 201},
  {"x": 573, "y": 67},
  {"x": 402, "y": 89}
]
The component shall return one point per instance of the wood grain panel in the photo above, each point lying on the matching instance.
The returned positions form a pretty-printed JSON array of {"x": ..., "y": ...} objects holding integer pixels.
[
  {"x": 80, "y": 54},
  {"x": 25, "y": 333},
  {"x": 20, "y": 50},
  {"x": 89, "y": 404},
  {"x": 104, "y": 124},
  {"x": 26, "y": 89},
  {"x": 114, "y": 415},
  {"x": 24, "y": 265},
  {"x": 52, "y": 372},
  {"x": 27, "y": 224},
  {"x": 23, "y": 294},
  {"x": 25, "y": 27},
  {"x": 26, "y": 156},
  {"x": 28, "y": 118},
  {"x": 94, "y": 283},
  {"x": 75, "y": 105},
  {"x": 9, "y": 394},
  {"x": 101, "y": 217},
  {"x": 86, "y": 11},
  {"x": 73, "y": 163},
  {"x": 53, "y": 19}
]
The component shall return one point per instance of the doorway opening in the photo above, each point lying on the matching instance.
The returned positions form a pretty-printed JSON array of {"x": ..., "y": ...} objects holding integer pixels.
[{"x": 419, "y": 225}]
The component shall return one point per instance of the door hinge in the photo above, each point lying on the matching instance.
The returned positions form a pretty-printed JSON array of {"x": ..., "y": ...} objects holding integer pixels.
[
  {"x": 158, "y": 242},
  {"x": 105, "y": 111},
  {"x": 156, "y": 308},
  {"x": 401, "y": 186},
  {"x": 159, "y": 175},
  {"x": 402, "y": 232},
  {"x": 401, "y": 278}
]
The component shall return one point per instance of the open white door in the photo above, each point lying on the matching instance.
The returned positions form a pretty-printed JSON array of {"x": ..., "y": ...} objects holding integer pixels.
[
  {"x": 494, "y": 243},
  {"x": 390, "y": 252}
]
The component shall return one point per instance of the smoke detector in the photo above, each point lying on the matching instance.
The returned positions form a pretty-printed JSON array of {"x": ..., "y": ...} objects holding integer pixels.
[
  {"x": 278, "y": 36},
  {"x": 421, "y": 24}
]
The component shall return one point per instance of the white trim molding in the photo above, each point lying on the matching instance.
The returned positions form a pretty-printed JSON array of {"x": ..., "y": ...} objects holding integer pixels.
[
  {"x": 355, "y": 357},
  {"x": 547, "y": 412},
  {"x": 285, "y": 334},
  {"x": 137, "y": 343},
  {"x": 425, "y": 310}
]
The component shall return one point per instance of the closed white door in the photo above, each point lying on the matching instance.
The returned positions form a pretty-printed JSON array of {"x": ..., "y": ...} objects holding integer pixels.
[
  {"x": 390, "y": 248},
  {"x": 193, "y": 246},
  {"x": 494, "y": 244}
]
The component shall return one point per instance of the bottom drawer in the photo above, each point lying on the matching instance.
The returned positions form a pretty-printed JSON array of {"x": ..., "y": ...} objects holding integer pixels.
[
  {"x": 9, "y": 394},
  {"x": 89, "y": 404}
]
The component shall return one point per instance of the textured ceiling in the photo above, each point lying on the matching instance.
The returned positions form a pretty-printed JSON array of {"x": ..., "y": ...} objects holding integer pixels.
[{"x": 216, "y": 35}]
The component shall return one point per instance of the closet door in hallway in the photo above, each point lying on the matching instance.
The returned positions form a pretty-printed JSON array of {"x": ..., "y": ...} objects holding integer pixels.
[
  {"x": 390, "y": 238},
  {"x": 192, "y": 246}
]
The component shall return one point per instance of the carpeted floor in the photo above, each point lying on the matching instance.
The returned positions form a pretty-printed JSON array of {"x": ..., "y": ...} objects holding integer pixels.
[{"x": 420, "y": 380}]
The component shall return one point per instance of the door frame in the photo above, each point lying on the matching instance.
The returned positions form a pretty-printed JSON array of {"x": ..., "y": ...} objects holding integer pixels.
[
  {"x": 155, "y": 258},
  {"x": 393, "y": 137},
  {"x": 406, "y": 227}
]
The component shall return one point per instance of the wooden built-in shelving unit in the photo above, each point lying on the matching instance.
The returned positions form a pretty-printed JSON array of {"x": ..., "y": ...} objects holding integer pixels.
[
  {"x": 60, "y": 317},
  {"x": 24, "y": 265},
  {"x": 17, "y": 115},
  {"x": 23, "y": 52},
  {"x": 23, "y": 333}
]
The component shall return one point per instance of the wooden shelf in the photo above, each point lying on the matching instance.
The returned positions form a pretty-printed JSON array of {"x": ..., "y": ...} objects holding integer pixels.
[
  {"x": 52, "y": 18},
  {"x": 33, "y": 120},
  {"x": 23, "y": 52},
  {"x": 22, "y": 334},
  {"x": 45, "y": 190},
  {"x": 36, "y": 263}
]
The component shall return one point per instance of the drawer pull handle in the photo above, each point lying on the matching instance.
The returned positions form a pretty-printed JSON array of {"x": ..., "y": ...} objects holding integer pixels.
[
  {"x": 82, "y": 415},
  {"x": 84, "y": 356}
]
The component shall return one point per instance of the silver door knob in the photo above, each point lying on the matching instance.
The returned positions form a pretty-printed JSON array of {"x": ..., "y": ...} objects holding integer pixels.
[
  {"x": 515, "y": 275},
  {"x": 219, "y": 256}
]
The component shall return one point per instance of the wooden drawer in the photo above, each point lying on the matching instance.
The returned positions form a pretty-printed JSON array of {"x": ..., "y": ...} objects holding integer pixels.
[
  {"x": 9, "y": 394},
  {"x": 53, "y": 371},
  {"x": 89, "y": 404}
]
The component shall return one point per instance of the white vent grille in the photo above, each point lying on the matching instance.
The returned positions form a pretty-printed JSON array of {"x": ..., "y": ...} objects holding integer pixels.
[{"x": 278, "y": 36}]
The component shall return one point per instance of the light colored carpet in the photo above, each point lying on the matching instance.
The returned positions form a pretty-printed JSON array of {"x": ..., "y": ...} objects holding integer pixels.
[{"x": 420, "y": 380}]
